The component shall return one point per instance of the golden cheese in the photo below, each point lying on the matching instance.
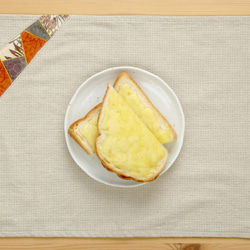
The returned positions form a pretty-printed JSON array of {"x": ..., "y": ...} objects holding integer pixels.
[
  {"x": 90, "y": 132},
  {"x": 129, "y": 144},
  {"x": 147, "y": 115}
]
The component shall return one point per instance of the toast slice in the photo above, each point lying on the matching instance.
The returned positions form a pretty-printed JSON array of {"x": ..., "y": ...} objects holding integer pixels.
[
  {"x": 125, "y": 145},
  {"x": 143, "y": 107},
  {"x": 84, "y": 131}
]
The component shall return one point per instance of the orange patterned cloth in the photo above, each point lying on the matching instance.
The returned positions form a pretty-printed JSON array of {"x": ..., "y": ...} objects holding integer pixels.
[
  {"x": 5, "y": 80},
  {"x": 18, "y": 53},
  {"x": 31, "y": 45}
]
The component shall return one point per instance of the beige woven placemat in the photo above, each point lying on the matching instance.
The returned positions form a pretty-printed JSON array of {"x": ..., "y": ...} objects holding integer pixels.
[{"x": 205, "y": 60}]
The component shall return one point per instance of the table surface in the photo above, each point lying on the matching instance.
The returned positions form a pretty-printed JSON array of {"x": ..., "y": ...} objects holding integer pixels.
[{"x": 128, "y": 7}]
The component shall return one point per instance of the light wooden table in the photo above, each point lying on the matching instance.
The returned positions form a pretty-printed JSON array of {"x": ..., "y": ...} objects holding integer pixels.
[{"x": 127, "y": 7}]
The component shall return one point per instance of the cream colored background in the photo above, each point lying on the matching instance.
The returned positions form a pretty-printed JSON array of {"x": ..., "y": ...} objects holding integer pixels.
[{"x": 206, "y": 192}]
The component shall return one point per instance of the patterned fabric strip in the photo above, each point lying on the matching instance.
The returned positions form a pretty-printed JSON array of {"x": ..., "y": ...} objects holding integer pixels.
[{"x": 18, "y": 53}]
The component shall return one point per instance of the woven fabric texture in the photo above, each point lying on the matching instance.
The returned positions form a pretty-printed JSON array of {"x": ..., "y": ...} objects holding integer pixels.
[{"x": 205, "y": 60}]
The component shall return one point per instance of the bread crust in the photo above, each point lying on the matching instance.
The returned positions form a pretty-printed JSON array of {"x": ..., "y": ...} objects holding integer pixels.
[
  {"x": 146, "y": 101},
  {"x": 107, "y": 165},
  {"x": 73, "y": 129}
]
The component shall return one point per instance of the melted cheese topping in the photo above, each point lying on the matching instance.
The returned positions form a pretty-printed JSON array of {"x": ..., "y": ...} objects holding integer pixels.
[
  {"x": 129, "y": 145},
  {"x": 147, "y": 115},
  {"x": 90, "y": 132}
]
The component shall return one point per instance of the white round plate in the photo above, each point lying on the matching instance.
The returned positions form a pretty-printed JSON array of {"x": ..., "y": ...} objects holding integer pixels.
[{"x": 91, "y": 92}]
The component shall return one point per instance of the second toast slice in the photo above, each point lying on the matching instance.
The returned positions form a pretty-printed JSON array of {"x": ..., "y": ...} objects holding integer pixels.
[{"x": 143, "y": 107}]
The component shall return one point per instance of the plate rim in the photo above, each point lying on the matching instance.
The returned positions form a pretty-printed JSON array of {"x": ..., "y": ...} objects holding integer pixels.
[{"x": 124, "y": 68}]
